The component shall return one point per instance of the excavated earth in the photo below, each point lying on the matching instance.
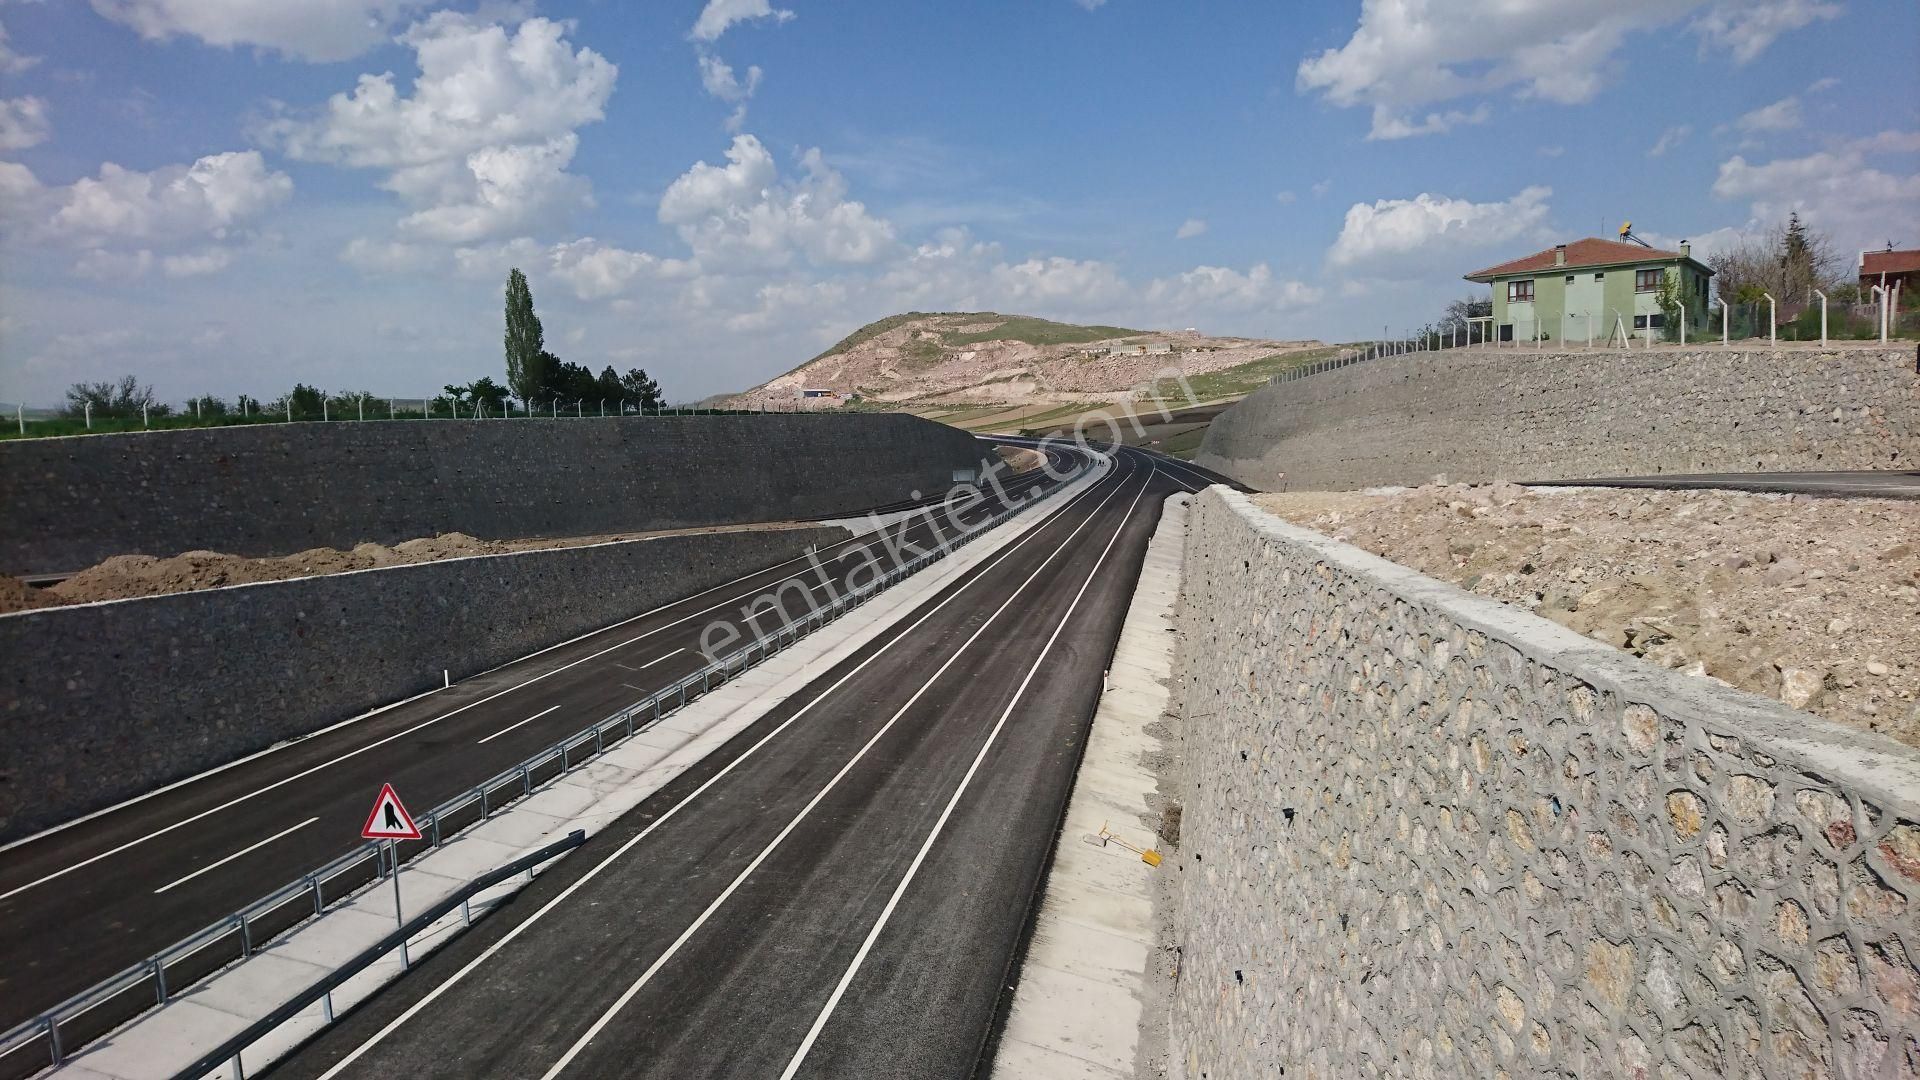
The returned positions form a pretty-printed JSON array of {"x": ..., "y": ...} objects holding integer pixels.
[{"x": 1813, "y": 601}]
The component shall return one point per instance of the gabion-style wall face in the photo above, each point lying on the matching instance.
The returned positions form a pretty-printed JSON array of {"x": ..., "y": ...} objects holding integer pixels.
[
  {"x": 1427, "y": 835},
  {"x": 1498, "y": 414}
]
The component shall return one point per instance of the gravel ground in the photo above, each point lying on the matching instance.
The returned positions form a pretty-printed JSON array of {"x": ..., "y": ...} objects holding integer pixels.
[{"x": 1812, "y": 601}]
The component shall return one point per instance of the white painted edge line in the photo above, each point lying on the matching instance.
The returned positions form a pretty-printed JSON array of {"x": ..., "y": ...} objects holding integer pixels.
[
  {"x": 1032, "y": 1020},
  {"x": 838, "y": 640},
  {"x": 960, "y": 791},
  {"x": 517, "y": 723},
  {"x": 851, "y": 643},
  {"x": 235, "y": 855},
  {"x": 657, "y": 659},
  {"x": 672, "y": 950}
]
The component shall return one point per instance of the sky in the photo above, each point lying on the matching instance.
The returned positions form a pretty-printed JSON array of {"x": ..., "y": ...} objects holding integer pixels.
[{"x": 228, "y": 196}]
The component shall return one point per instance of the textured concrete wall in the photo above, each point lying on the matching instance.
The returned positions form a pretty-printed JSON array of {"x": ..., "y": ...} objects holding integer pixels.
[
  {"x": 1431, "y": 836},
  {"x": 280, "y": 488},
  {"x": 1479, "y": 415},
  {"x": 101, "y": 702}
]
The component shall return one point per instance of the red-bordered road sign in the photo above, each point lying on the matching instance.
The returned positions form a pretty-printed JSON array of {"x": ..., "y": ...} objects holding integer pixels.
[{"x": 389, "y": 819}]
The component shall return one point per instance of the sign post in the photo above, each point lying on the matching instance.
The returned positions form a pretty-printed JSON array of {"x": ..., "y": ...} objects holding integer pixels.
[{"x": 389, "y": 821}]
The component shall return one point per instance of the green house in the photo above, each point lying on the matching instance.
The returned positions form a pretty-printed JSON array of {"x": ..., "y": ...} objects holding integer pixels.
[{"x": 1592, "y": 289}]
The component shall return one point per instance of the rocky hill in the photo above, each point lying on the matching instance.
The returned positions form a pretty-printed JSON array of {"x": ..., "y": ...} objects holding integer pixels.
[{"x": 983, "y": 356}]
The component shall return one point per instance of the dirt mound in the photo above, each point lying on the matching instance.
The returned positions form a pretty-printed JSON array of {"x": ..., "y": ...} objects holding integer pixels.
[
  {"x": 17, "y": 595},
  {"x": 1815, "y": 602},
  {"x": 986, "y": 357}
]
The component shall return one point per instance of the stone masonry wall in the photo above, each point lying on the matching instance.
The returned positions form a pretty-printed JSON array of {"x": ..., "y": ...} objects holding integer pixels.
[
  {"x": 274, "y": 489},
  {"x": 1478, "y": 415},
  {"x": 101, "y": 702},
  {"x": 1428, "y": 835}
]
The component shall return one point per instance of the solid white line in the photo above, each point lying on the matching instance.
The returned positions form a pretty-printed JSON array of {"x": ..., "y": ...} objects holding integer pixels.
[
  {"x": 235, "y": 855},
  {"x": 472, "y": 965},
  {"x": 939, "y": 825},
  {"x": 510, "y": 727},
  {"x": 657, "y": 659},
  {"x": 163, "y": 830},
  {"x": 718, "y": 901}
]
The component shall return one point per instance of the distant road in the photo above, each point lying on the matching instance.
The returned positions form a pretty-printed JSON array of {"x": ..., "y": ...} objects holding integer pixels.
[{"x": 1866, "y": 483}]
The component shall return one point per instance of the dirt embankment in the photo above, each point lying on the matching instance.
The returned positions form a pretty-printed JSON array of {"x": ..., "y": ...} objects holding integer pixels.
[
  {"x": 1815, "y": 602},
  {"x": 125, "y": 576},
  {"x": 1020, "y": 459}
]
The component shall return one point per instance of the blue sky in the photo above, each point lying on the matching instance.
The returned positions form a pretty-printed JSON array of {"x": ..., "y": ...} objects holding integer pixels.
[{"x": 228, "y": 195}]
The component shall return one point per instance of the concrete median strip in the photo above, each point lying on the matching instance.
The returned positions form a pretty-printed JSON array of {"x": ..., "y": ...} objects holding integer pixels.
[
  {"x": 589, "y": 798},
  {"x": 1077, "y": 1009}
]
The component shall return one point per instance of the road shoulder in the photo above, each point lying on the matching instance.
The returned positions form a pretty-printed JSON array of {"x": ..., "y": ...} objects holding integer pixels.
[{"x": 1084, "y": 994}]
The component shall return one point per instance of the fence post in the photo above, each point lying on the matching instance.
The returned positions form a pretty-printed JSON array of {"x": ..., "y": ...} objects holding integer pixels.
[
  {"x": 144, "y": 422},
  {"x": 1726, "y": 318},
  {"x": 1823, "y": 317},
  {"x": 1683, "y": 321},
  {"x": 1773, "y": 320},
  {"x": 323, "y": 408}
]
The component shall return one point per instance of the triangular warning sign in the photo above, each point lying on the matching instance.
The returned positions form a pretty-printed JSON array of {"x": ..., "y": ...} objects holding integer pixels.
[{"x": 389, "y": 819}]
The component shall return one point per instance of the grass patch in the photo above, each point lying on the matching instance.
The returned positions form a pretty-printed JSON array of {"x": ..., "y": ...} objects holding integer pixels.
[
  {"x": 1245, "y": 378},
  {"x": 1032, "y": 331},
  {"x": 1184, "y": 445}
]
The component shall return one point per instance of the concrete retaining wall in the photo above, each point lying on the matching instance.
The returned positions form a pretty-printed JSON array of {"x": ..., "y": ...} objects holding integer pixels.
[
  {"x": 279, "y": 488},
  {"x": 1480, "y": 415},
  {"x": 1432, "y": 836},
  {"x": 101, "y": 702}
]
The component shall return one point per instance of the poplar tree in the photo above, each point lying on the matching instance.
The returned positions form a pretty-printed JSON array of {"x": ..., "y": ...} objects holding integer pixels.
[{"x": 525, "y": 341}]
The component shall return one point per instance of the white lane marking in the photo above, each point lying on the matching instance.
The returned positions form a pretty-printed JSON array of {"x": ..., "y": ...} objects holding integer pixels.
[
  {"x": 939, "y": 825},
  {"x": 235, "y": 855},
  {"x": 472, "y": 965},
  {"x": 510, "y": 727},
  {"x": 718, "y": 901},
  {"x": 1162, "y": 461},
  {"x": 628, "y": 667},
  {"x": 630, "y": 686},
  {"x": 657, "y": 659},
  {"x": 163, "y": 830}
]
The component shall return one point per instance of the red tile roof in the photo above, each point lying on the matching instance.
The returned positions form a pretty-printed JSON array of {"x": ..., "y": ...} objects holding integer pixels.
[
  {"x": 1875, "y": 263},
  {"x": 1589, "y": 251}
]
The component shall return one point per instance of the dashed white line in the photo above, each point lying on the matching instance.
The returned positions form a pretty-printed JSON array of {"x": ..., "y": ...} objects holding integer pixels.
[
  {"x": 235, "y": 855},
  {"x": 657, "y": 659},
  {"x": 510, "y": 727}
]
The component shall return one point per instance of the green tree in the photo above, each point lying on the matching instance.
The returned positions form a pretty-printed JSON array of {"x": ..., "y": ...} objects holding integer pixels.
[
  {"x": 125, "y": 399},
  {"x": 640, "y": 389},
  {"x": 527, "y": 358},
  {"x": 482, "y": 391},
  {"x": 1668, "y": 297}
]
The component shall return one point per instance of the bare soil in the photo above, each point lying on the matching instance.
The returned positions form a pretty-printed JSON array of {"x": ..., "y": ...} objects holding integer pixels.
[
  {"x": 1811, "y": 601},
  {"x": 1019, "y": 458},
  {"x": 126, "y": 576}
]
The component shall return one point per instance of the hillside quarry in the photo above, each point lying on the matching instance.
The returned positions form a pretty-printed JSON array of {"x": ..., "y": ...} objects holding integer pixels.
[{"x": 987, "y": 357}]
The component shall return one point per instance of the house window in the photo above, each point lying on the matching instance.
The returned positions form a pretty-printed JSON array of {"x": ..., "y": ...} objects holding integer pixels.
[
  {"x": 1518, "y": 291},
  {"x": 1569, "y": 279},
  {"x": 1647, "y": 280},
  {"x": 1599, "y": 275},
  {"x": 1639, "y": 322},
  {"x": 1649, "y": 322}
]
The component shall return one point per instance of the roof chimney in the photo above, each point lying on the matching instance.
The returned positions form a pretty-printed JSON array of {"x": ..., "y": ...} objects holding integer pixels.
[
  {"x": 1559, "y": 254},
  {"x": 1686, "y": 249}
]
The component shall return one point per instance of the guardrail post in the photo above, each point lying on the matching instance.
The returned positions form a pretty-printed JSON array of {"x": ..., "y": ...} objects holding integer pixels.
[
  {"x": 159, "y": 981},
  {"x": 246, "y": 933}
]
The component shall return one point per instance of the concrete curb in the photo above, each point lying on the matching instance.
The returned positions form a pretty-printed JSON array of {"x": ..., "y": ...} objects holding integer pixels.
[
  {"x": 1077, "y": 1009},
  {"x": 590, "y": 798}
]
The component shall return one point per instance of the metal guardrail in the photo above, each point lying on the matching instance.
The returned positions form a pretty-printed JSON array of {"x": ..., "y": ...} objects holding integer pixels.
[
  {"x": 154, "y": 981},
  {"x": 323, "y": 990}
]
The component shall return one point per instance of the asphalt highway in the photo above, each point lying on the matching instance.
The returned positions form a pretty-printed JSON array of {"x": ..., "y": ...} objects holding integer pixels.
[
  {"x": 839, "y": 891},
  {"x": 83, "y": 902},
  {"x": 1859, "y": 483}
]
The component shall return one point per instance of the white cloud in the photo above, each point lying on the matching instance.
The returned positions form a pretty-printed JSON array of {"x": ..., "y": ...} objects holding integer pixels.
[
  {"x": 481, "y": 147},
  {"x": 206, "y": 199},
  {"x": 1744, "y": 28},
  {"x": 1782, "y": 115},
  {"x": 387, "y": 256},
  {"x": 595, "y": 271},
  {"x": 1284, "y": 198},
  {"x": 1091, "y": 5},
  {"x": 309, "y": 29},
  {"x": 718, "y": 78},
  {"x": 100, "y": 264},
  {"x": 719, "y": 15},
  {"x": 193, "y": 264},
  {"x": 1838, "y": 191},
  {"x": 1551, "y": 151},
  {"x": 1219, "y": 289},
  {"x": 1388, "y": 126},
  {"x": 12, "y": 63},
  {"x": 741, "y": 214},
  {"x": 1190, "y": 228},
  {"x": 1406, "y": 54},
  {"x": 1669, "y": 139},
  {"x": 1822, "y": 85},
  {"x": 1408, "y": 237},
  {"x": 23, "y": 123}
]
